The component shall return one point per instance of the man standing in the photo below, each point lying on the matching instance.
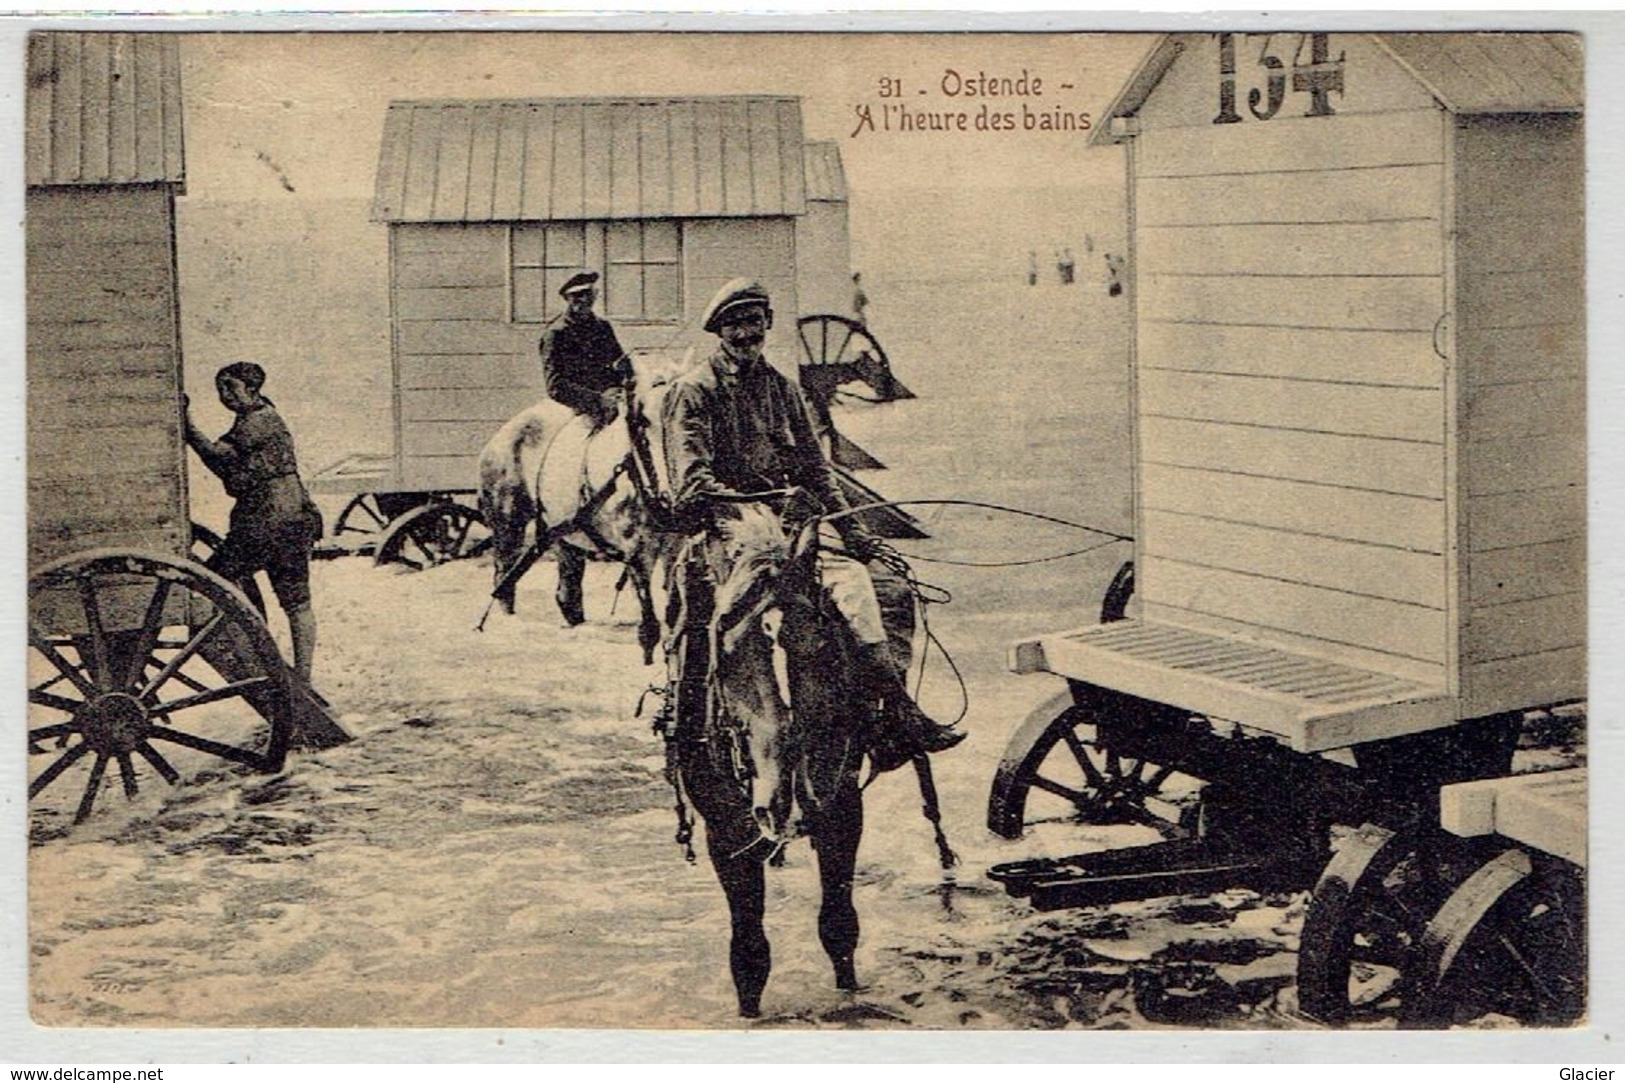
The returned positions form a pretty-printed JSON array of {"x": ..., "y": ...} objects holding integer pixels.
[
  {"x": 733, "y": 424},
  {"x": 584, "y": 367}
]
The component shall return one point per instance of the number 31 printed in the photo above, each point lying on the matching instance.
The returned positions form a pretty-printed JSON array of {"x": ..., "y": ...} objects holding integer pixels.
[{"x": 1317, "y": 78}]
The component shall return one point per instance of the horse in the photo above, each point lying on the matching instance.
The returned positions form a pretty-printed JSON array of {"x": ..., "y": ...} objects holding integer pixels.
[
  {"x": 586, "y": 491},
  {"x": 769, "y": 731}
]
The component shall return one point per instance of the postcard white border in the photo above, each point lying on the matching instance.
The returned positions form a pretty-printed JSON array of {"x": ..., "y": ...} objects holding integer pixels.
[{"x": 23, "y": 1044}]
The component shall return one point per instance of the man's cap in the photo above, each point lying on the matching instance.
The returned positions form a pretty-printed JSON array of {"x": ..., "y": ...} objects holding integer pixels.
[
  {"x": 737, "y": 294},
  {"x": 586, "y": 280}
]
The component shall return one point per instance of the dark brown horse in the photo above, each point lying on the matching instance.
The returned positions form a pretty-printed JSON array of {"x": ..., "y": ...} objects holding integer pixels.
[{"x": 770, "y": 741}]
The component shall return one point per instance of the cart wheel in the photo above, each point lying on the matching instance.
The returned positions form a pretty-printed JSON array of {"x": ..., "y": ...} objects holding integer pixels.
[
  {"x": 1055, "y": 756},
  {"x": 433, "y": 535},
  {"x": 361, "y": 516},
  {"x": 205, "y": 544},
  {"x": 834, "y": 341},
  {"x": 1364, "y": 919},
  {"x": 145, "y": 661},
  {"x": 1511, "y": 939}
]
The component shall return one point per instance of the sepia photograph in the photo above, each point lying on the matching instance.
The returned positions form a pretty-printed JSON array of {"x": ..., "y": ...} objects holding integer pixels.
[{"x": 816, "y": 532}]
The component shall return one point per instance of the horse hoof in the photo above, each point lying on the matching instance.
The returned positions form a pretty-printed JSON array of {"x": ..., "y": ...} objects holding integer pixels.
[
  {"x": 751, "y": 1010},
  {"x": 846, "y": 977}
]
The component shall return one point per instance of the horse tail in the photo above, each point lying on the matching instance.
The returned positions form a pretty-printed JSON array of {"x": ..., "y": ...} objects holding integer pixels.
[{"x": 505, "y": 499}]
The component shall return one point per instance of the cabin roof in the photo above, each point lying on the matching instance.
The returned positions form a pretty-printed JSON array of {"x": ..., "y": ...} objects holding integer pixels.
[
  {"x": 550, "y": 159},
  {"x": 1467, "y": 73},
  {"x": 1495, "y": 72},
  {"x": 103, "y": 109},
  {"x": 826, "y": 179}
]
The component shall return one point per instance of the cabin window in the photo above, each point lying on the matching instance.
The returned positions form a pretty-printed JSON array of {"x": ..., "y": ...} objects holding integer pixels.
[
  {"x": 641, "y": 263},
  {"x": 545, "y": 255},
  {"x": 641, "y": 279}
]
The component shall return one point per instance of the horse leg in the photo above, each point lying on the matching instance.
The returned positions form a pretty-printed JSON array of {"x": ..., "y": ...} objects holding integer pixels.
[
  {"x": 648, "y": 624},
  {"x": 572, "y": 567},
  {"x": 507, "y": 509},
  {"x": 750, "y": 959},
  {"x": 836, "y": 830}
]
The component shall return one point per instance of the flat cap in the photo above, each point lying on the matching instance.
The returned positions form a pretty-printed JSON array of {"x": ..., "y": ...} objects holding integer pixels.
[
  {"x": 586, "y": 280},
  {"x": 736, "y": 294}
]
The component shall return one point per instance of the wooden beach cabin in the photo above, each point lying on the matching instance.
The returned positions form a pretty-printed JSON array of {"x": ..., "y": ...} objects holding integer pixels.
[
  {"x": 103, "y": 161},
  {"x": 1358, "y": 366},
  {"x": 491, "y": 205},
  {"x": 823, "y": 238},
  {"x": 109, "y": 531}
]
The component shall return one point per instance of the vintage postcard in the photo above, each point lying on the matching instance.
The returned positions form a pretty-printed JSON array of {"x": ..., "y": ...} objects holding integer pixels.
[{"x": 819, "y": 531}]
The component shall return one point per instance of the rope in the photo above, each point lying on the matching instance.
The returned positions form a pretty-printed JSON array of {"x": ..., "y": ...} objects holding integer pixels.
[
  {"x": 1014, "y": 563},
  {"x": 955, "y": 503}
]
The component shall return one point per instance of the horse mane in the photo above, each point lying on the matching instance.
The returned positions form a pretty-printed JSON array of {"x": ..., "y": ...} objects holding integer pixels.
[{"x": 752, "y": 548}]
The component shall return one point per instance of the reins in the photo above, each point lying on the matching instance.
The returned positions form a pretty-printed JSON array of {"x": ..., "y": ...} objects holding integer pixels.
[{"x": 985, "y": 505}]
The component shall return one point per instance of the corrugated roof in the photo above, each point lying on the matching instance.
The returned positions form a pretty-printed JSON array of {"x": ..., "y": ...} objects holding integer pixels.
[
  {"x": 1495, "y": 72},
  {"x": 826, "y": 179},
  {"x": 1489, "y": 72},
  {"x": 590, "y": 158},
  {"x": 103, "y": 108}
]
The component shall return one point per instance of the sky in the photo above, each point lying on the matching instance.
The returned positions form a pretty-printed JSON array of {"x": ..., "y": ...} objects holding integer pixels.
[
  {"x": 279, "y": 258},
  {"x": 313, "y": 104}
]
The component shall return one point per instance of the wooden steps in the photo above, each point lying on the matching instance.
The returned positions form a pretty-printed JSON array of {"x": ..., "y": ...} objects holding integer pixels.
[
  {"x": 1545, "y": 811},
  {"x": 1314, "y": 704}
]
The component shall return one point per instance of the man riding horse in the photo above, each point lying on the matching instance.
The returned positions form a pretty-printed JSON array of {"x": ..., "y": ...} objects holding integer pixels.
[
  {"x": 584, "y": 367},
  {"x": 734, "y": 426}
]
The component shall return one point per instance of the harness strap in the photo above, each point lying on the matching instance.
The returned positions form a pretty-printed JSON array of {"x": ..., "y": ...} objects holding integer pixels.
[
  {"x": 581, "y": 521},
  {"x": 933, "y": 811}
]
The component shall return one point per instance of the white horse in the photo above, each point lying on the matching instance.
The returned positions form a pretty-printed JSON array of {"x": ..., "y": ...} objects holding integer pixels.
[{"x": 587, "y": 492}]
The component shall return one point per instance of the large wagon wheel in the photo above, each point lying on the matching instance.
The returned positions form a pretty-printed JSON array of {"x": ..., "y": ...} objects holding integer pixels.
[
  {"x": 843, "y": 349},
  {"x": 438, "y": 532},
  {"x": 364, "y": 521},
  {"x": 361, "y": 515},
  {"x": 1057, "y": 744},
  {"x": 1366, "y": 918},
  {"x": 1510, "y": 939},
  {"x": 142, "y": 661},
  {"x": 1057, "y": 757}
]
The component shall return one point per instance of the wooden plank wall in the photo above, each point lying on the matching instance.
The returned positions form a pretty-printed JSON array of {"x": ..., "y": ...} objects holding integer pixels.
[
  {"x": 1291, "y": 404},
  {"x": 106, "y": 457},
  {"x": 824, "y": 259},
  {"x": 462, "y": 368},
  {"x": 718, "y": 249},
  {"x": 1521, "y": 340}
]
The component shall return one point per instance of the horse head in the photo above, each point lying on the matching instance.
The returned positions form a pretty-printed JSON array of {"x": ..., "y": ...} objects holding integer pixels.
[{"x": 762, "y": 594}]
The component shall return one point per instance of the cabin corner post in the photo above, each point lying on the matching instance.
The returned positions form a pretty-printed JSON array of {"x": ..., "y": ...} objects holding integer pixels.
[
  {"x": 1131, "y": 285},
  {"x": 397, "y": 456},
  {"x": 183, "y": 494},
  {"x": 1446, "y": 344}
]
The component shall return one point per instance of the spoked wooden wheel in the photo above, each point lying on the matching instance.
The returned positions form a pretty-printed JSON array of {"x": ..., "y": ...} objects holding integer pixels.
[
  {"x": 432, "y": 535},
  {"x": 1055, "y": 768},
  {"x": 1511, "y": 939},
  {"x": 150, "y": 665},
  {"x": 361, "y": 515},
  {"x": 1365, "y": 920},
  {"x": 831, "y": 341}
]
